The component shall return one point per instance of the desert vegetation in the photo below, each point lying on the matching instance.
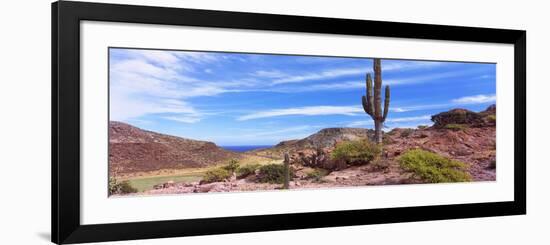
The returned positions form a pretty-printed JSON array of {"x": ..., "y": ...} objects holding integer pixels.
[
  {"x": 356, "y": 152},
  {"x": 460, "y": 146},
  {"x": 433, "y": 167}
]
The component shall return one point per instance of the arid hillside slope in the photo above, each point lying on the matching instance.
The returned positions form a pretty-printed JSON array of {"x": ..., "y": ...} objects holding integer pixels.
[{"x": 132, "y": 149}]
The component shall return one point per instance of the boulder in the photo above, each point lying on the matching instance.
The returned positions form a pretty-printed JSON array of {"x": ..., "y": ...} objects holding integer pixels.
[
  {"x": 457, "y": 116},
  {"x": 466, "y": 117}
]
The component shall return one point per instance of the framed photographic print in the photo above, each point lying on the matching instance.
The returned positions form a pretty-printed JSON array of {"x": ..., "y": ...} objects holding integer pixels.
[{"x": 175, "y": 122}]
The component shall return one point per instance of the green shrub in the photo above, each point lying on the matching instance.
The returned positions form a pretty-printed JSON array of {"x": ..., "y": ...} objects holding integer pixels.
[
  {"x": 216, "y": 175},
  {"x": 117, "y": 188},
  {"x": 356, "y": 152},
  {"x": 246, "y": 170},
  {"x": 317, "y": 174},
  {"x": 434, "y": 168},
  {"x": 422, "y": 126},
  {"x": 491, "y": 118},
  {"x": 232, "y": 165},
  {"x": 456, "y": 127},
  {"x": 273, "y": 173}
]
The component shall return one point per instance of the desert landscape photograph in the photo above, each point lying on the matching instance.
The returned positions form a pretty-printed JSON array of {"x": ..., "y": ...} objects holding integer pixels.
[{"x": 187, "y": 122}]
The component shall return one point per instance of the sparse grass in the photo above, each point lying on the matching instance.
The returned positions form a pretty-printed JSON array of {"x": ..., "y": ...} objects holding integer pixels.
[
  {"x": 147, "y": 183},
  {"x": 422, "y": 126},
  {"x": 456, "y": 127},
  {"x": 491, "y": 118},
  {"x": 434, "y": 168},
  {"x": 144, "y": 181},
  {"x": 356, "y": 152}
]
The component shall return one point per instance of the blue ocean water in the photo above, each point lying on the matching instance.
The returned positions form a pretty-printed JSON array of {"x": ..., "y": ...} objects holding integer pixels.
[{"x": 243, "y": 148}]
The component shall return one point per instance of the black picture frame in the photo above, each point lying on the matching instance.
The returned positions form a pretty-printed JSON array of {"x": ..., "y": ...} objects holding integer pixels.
[{"x": 66, "y": 18}]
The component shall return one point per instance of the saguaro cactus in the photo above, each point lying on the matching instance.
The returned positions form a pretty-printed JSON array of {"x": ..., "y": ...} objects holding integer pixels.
[
  {"x": 372, "y": 101},
  {"x": 286, "y": 171}
]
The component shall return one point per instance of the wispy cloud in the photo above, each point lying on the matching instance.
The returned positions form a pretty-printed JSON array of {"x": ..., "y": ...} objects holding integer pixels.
[
  {"x": 146, "y": 82},
  {"x": 183, "y": 119},
  {"x": 306, "y": 111},
  {"x": 355, "y": 110},
  {"x": 409, "y": 119},
  {"x": 341, "y": 72},
  {"x": 320, "y": 75},
  {"x": 476, "y": 99},
  {"x": 270, "y": 134},
  {"x": 419, "y": 107},
  {"x": 269, "y": 74},
  {"x": 349, "y": 85},
  {"x": 467, "y": 100},
  {"x": 390, "y": 121},
  {"x": 282, "y": 132}
]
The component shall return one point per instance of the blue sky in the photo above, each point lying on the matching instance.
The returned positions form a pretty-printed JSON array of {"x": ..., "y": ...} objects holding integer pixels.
[{"x": 261, "y": 99}]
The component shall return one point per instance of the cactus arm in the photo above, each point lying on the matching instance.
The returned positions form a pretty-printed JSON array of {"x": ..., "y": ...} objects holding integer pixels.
[
  {"x": 386, "y": 103},
  {"x": 369, "y": 99},
  {"x": 365, "y": 104}
]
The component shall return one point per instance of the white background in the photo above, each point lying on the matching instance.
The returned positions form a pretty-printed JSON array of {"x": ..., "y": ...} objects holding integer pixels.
[
  {"x": 97, "y": 208},
  {"x": 25, "y": 143}
]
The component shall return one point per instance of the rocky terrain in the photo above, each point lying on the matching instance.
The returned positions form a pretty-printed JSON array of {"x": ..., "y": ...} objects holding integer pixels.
[
  {"x": 462, "y": 135},
  {"x": 325, "y": 138},
  {"x": 135, "y": 150}
]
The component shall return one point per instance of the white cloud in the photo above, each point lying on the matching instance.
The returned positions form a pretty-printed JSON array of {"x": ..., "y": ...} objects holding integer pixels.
[
  {"x": 163, "y": 58},
  {"x": 419, "y": 107},
  {"x": 334, "y": 73},
  {"x": 305, "y": 111},
  {"x": 265, "y": 136},
  {"x": 125, "y": 107},
  {"x": 319, "y": 76},
  {"x": 362, "y": 123},
  {"x": 281, "y": 132},
  {"x": 409, "y": 119},
  {"x": 153, "y": 82},
  {"x": 476, "y": 99},
  {"x": 184, "y": 119},
  {"x": 427, "y": 78},
  {"x": 269, "y": 74},
  {"x": 392, "y": 65},
  {"x": 466, "y": 100},
  {"x": 142, "y": 67},
  {"x": 394, "y": 122}
]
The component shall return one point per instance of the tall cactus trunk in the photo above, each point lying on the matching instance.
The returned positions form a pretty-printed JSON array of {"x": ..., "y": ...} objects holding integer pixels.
[
  {"x": 286, "y": 173},
  {"x": 372, "y": 102},
  {"x": 378, "y": 132}
]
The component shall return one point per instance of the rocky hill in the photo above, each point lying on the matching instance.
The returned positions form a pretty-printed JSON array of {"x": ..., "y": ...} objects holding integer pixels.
[
  {"x": 460, "y": 134},
  {"x": 132, "y": 149},
  {"x": 325, "y": 138}
]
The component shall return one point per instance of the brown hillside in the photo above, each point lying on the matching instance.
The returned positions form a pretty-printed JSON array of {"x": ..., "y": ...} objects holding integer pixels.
[
  {"x": 327, "y": 137},
  {"x": 135, "y": 150}
]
